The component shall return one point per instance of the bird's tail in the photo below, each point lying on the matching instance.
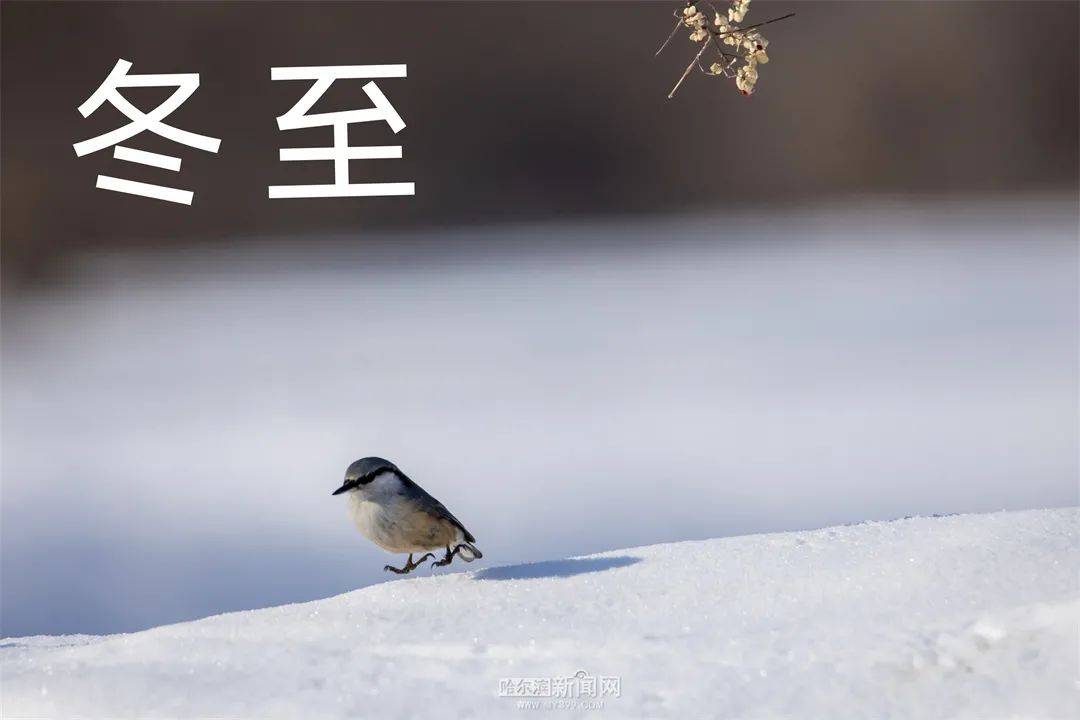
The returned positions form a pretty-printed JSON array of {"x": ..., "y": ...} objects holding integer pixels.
[{"x": 469, "y": 552}]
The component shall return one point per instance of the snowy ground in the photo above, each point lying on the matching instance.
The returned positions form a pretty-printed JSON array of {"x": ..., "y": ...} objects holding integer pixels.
[{"x": 963, "y": 616}]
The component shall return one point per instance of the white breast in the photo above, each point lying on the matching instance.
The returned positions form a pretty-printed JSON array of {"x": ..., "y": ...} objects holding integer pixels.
[{"x": 375, "y": 510}]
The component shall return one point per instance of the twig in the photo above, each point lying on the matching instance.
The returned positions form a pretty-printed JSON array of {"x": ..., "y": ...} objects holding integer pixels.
[
  {"x": 751, "y": 27},
  {"x": 689, "y": 68},
  {"x": 677, "y": 24}
]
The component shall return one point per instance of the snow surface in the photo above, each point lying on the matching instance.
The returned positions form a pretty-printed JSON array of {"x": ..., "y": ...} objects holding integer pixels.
[{"x": 962, "y": 616}]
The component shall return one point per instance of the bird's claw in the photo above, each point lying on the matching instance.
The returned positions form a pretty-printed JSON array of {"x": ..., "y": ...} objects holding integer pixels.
[
  {"x": 448, "y": 559},
  {"x": 409, "y": 566}
]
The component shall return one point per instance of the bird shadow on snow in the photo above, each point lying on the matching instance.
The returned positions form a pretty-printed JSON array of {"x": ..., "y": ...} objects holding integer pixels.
[{"x": 555, "y": 568}]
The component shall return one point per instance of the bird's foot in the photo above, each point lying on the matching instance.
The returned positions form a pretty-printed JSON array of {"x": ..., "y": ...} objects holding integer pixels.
[
  {"x": 409, "y": 566},
  {"x": 426, "y": 556},
  {"x": 449, "y": 558}
]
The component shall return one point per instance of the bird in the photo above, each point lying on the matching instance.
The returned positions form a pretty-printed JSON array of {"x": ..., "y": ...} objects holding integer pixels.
[{"x": 399, "y": 516}]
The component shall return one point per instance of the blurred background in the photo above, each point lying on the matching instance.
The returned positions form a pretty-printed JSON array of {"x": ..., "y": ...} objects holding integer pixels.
[{"x": 605, "y": 319}]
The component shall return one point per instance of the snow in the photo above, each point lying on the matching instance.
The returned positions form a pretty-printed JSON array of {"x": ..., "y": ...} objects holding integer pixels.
[{"x": 940, "y": 617}]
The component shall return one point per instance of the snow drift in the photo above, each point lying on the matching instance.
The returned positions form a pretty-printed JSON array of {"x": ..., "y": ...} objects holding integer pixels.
[{"x": 963, "y": 616}]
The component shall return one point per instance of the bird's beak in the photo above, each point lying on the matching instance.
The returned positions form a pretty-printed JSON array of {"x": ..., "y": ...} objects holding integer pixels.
[{"x": 349, "y": 485}]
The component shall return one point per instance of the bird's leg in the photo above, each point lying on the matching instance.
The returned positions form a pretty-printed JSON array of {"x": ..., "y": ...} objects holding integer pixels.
[
  {"x": 409, "y": 566},
  {"x": 449, "y": 557},
  {"x": 401, "y": 570}
]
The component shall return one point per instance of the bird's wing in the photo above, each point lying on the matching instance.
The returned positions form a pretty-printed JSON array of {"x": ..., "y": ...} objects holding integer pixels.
[{"x": 430, "y": 505}]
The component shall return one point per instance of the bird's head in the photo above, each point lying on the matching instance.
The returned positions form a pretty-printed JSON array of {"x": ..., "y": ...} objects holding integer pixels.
[{"x": 363, "y": 471}]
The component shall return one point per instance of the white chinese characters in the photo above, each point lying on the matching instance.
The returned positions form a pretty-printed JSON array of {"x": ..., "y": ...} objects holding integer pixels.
[
  {"x": 579, "y": 685},
  {"x": 341, "y": 152},
  {"x": 109, "y": 90}
]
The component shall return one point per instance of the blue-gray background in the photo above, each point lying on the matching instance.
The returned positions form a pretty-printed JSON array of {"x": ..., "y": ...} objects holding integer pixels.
[{"x": 606, "y": 319}]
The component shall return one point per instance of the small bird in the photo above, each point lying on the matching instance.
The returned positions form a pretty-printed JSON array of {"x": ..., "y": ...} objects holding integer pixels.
[{"x": 400, "y": 517}]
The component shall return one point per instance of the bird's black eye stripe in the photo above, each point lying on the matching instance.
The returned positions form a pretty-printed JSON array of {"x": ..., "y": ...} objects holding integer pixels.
[{"x": 365, "y": 479}]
